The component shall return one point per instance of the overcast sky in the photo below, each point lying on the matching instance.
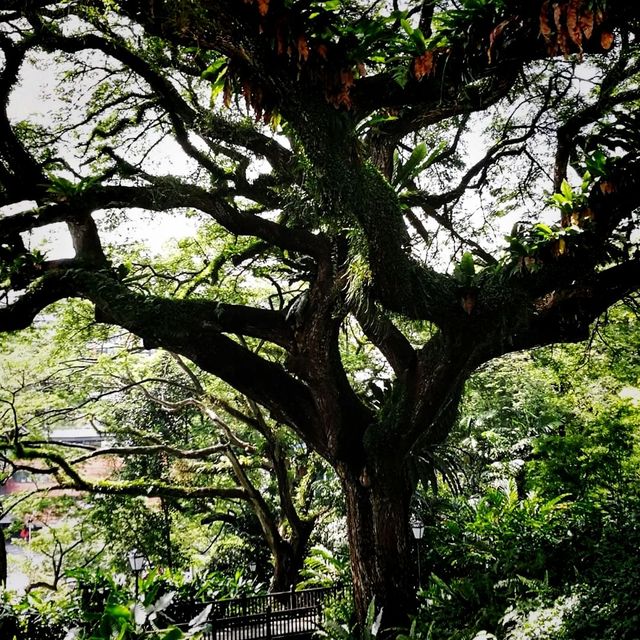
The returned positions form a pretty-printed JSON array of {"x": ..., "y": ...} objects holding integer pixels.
[{"x": 33, "y": 100}]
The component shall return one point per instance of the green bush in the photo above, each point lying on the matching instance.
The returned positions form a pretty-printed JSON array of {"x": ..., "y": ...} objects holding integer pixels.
[
  {"x": 101, "y": 607},
  {"x": 32, "y": 618}
]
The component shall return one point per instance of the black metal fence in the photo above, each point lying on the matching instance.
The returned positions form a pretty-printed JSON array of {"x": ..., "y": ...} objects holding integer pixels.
[{"x": 274, "y": 615}]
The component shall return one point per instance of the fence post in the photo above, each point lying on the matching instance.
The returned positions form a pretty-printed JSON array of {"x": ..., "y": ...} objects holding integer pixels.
[
  {"x": 243, "y": 603},
  {"x": 269, "y": 622},
  {"x": 292, "y": 598}
]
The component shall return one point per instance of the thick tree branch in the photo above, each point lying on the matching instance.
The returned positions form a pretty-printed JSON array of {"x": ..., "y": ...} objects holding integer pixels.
[
  {"x": 21, "y": 178},
  {"x": 260, "y": 506},
  {"x": 67, "y": 477},
  {"x": 166, "y": 193},
  {"x": 388, "y": 339},
  {"x": 192, "y": 328},
  {"x": 187, "y": 454}
]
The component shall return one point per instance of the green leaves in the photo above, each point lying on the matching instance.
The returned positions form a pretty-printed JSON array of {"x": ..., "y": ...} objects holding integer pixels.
[
  {"x": 568, "y": 199},
  {"x": 171, "y": 634},
  {"x": 372, "y": 622},
  {"x": 529, "y": 249},
  {"x": 15, "y": 266},
  {"x": 454, "y": 24},
  {"x": 416, "y": 36},
  {"x": 407, "y": 171},
  {"x": 323, "y": 568},
  {"x": 465, "y": 269},
  {"x": 62, "y": 190},
  {"x": 419, "y": 160},
  {"x": 118, "y": 612},
  {"x": 556, "y": 499},
  {"x": 215, "y": 70},
  {"x": 596, "y": 163},
  {"x": 217, "y": 74},
  {"x": 375, "y": 121}
]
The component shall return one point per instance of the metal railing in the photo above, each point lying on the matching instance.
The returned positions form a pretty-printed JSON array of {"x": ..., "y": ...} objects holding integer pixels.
[{"x": 274, "y": 615}]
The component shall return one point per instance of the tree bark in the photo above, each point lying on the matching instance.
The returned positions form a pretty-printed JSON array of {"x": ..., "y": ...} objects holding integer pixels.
[
  {"x": 380, "y": 545},
  {"x": 288, "y": 559},
  {"x": 3, "y": 558}
]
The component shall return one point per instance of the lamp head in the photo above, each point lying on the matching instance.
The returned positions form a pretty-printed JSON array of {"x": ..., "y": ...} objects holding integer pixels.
[
  {"x": 137, "y": 560},
  {"x": 417, "y": 526}
]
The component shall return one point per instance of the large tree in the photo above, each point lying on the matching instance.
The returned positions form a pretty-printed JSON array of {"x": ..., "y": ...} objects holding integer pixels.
[{"x": 360, "y": 209}]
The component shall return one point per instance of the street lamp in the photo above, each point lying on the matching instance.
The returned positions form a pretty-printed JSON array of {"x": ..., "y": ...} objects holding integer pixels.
[
  {"x": 417, "y": 526},
  {"x": 29, "y": 528},
  {"x": 137, "y": 562},
  {"x": 252, "y": 566}
]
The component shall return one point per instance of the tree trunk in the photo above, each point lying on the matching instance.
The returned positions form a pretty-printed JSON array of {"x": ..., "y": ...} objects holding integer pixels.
[
  {"x": 3, "y": 558},
  {"x": 286, "y": 568},
  {"x": 380, "y": 545},
  {"x": 288, "y": 559},
  {"x": 166, "y": 525}
]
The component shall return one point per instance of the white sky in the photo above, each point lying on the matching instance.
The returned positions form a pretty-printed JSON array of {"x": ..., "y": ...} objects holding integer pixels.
[{"x": 33, "y": 100}]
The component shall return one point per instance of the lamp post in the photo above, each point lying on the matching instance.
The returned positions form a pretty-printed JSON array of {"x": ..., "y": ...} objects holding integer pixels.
[
  {"x": 137, "y": 562},
  {"x": 417, "y": 526},
  {"x": 29, "y": 528},
  {"x": 252, "y": 566}
]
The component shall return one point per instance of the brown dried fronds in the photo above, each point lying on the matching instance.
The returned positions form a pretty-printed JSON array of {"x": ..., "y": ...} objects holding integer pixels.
[{"x": 565, "y": 26}]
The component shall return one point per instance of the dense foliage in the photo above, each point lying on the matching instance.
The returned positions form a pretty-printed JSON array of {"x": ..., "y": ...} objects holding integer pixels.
[
  {"x": 101, "y": 607},
  {"x": 531, "y": 533},
  {"x": 538, "y": 541}
]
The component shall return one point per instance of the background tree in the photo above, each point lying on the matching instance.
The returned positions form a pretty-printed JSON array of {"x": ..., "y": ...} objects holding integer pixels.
[
  {"x": 167, "y": 429},
  {"x": 277, "y": 479},
  {"x": 366, "y": 210}
]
